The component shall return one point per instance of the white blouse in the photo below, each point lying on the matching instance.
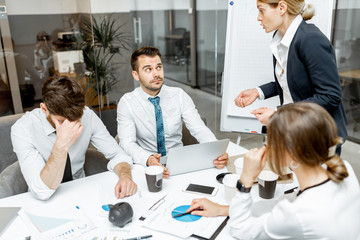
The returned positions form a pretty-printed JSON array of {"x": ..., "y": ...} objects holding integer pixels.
[{"x": 327, "y": 211}]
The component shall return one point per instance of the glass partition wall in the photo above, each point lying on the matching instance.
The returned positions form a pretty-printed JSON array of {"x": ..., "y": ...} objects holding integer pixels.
[
  {"x": 89, "y": 41},
  {"x": 211, "y": 19},
  {"x": 346, "y": 40},
  {"x": 70, "y": 38},
  {"x": 6, "y": 99},
  {"x": 165, "y": 24},
  {"x": 44, "y": 37}
]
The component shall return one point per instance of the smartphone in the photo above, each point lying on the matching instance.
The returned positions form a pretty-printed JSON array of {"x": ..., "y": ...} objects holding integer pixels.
[{"x": 201, "y": 189}]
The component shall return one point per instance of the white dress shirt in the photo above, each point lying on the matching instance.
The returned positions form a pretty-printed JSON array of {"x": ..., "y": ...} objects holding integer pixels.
[
  {"x": 327, "y": 211},
  {"x": 280, "y": 49},
  {"x": 33, "y": 138},
  {"x": 137, "y": 124}
]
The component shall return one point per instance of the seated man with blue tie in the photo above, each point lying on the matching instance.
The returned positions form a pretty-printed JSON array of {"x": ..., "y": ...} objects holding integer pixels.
[
  {"x": 150, "y": 117},
  {"x": 51, "y": 141}
]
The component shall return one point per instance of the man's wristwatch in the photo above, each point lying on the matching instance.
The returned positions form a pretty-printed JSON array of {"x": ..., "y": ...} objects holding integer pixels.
[{"x": 241, "y": 187}]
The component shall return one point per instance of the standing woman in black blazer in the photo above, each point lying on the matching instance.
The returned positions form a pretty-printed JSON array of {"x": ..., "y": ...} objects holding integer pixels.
[{"x": 304, "y": 62}]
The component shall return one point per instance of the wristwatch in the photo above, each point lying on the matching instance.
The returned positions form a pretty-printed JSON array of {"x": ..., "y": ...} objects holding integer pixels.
[{"x": 241, "y": 187}]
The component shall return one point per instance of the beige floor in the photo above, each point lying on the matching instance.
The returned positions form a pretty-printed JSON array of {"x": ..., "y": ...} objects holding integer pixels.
[{"x": 209, "y": 106}]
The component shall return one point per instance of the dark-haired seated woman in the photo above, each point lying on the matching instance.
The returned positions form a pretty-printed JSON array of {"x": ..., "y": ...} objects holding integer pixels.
[{"x": 302, "y": 136}]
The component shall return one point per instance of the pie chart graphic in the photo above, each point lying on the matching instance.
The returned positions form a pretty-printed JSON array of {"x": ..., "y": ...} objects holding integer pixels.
[{"x": 185, "y": 218}]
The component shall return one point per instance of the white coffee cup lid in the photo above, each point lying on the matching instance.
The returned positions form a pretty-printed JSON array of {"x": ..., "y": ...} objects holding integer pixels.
[
  {"x": 268, "y": 175},
  {"x": 231, "y": 179},
  {"x": 153, "y": 170}
]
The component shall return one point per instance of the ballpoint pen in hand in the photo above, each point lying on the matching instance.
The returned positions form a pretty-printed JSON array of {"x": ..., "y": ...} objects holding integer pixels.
[{"x": 186, "y": 213}]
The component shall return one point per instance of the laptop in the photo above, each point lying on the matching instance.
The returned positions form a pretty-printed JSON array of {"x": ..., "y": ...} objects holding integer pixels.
[
  {"x": 194, "y": 157},
  {"x": 7, "y": 215}
]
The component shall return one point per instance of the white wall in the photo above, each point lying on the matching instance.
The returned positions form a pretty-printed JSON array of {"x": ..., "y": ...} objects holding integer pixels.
[
  {"x": 36, "y": 7},
  {"x": 203, "y": 5},
  {"x": 83, "y": 6},
  {"x": 110, "y": 6},
  {"x": 32, "y": 7},
  {"x": 145, "y": 5}
]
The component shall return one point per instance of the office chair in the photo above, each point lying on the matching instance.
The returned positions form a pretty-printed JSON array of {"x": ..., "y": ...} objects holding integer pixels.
[
  {"x": 187, "y": 138},
  {"x": 12, "y": 181}
]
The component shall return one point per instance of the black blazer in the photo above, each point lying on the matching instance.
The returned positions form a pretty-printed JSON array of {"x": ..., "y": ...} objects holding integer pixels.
[{"x": 312, "y": 74}]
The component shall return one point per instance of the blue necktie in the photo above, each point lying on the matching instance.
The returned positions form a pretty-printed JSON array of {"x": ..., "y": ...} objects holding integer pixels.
[{"x": 159, "y": 126}]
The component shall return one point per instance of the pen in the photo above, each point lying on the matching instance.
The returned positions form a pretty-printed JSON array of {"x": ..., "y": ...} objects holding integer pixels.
[
  {"x": 140, "y": 237},
  {"x": 157, "y": 202},
  {"x": 182, "y": 214},
  {"x": 143, "y": 217},
  {"x": 185, "y": 213}
]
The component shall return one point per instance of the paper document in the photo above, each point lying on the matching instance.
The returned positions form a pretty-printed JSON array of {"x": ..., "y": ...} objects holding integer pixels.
[
  {"x": 61, "y": 223},
  {"x": 234, "y": 110},
  {"x": 162, "y": 219}
]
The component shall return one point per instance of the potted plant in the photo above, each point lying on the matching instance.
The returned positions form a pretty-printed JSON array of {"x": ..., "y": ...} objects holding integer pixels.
[{"x": 102, "y": 39}]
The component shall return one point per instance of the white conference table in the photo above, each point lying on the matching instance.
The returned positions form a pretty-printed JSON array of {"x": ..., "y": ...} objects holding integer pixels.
[{"x": 90, "y": 193}]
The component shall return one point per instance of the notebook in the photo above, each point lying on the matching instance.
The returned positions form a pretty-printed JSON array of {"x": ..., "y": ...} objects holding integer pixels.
[
  {"x": 194, "y": 157},
  {"x": 7, "y": 215}
]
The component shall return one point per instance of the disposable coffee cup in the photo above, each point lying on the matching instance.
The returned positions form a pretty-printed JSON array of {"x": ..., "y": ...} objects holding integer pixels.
[
  {"x": 267, "y": 184},
  {"x": 154, "y": 178},
  {"x": 229, "y": 183},
  {"x": 238, "y": 163}
]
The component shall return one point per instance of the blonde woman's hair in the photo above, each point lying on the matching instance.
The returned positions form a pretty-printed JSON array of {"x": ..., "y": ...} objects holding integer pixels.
[
  {"x": 306, "y": 132},
  {"x": 295, "y": 7}
]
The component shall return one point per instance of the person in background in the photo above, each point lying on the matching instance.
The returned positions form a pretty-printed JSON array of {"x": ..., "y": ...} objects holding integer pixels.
[
  {"x": 51, "y": 141},
  {"x": 301, "y": 136},
  {"x": 42, "y": 50},
  {"x": 304, "y": 63},
  {"x": 150, "y": 117}
]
